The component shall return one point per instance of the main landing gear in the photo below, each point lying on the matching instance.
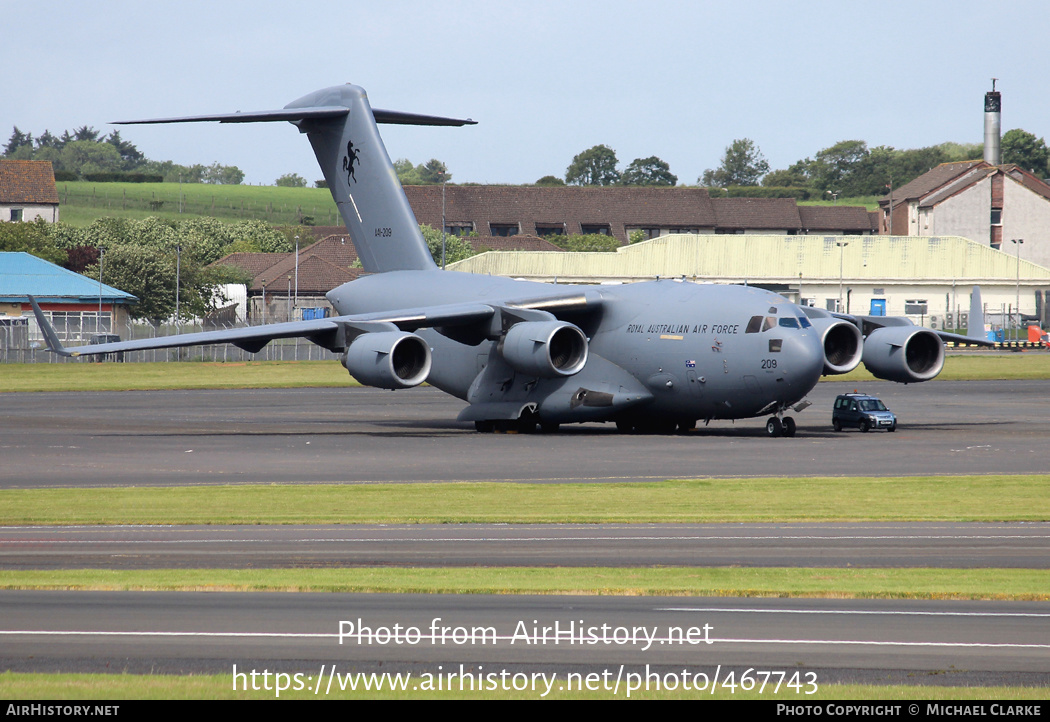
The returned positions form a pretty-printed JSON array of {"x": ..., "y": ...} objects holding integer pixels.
[{"x": 776, "y": 427}]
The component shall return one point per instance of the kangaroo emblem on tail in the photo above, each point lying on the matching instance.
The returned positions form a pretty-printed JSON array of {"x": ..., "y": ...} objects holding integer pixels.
[{"x": 348, "y": 162}]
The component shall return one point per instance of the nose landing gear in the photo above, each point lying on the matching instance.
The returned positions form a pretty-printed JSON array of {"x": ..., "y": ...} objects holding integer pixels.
[{"x": 776, "y": 427}]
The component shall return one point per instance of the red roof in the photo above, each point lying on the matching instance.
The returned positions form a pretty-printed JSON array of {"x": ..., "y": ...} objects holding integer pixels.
[{"x": 27, "y": 181}]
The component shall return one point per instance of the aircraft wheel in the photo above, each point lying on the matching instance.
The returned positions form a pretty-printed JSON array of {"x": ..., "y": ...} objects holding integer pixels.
[
  {"x": 774, "y": 427},
  {"x": 624, "y": 427},
  {"x": 789, "y": 426},
  {"x": 685, "y": 427},
  {"x": 550, "y": 428},
  {"x": 837, "y": 424},
  {"x": 484, "y": 427}
]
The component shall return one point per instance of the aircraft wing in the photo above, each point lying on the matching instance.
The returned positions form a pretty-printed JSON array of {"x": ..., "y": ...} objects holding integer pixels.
[
  {"x": 332, "y": 333},
  {"x": 335, "y": 333},
  {"x": 867, "y": 324}
]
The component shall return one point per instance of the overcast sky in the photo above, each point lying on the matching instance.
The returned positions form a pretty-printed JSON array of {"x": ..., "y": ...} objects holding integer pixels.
[{"x": 545, "y": 80}]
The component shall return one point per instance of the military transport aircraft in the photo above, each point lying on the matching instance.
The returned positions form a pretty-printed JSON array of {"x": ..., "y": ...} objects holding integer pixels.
[{"x": 651, "y": 356}]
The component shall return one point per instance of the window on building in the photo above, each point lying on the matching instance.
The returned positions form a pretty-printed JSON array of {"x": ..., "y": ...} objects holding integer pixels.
[
  {"x": 75, "y": 325},
  {"x": 647, "y": 232},
  {"x": 915, "y": 307},
  {"x": 550, "y": 229},
  {"x": 464, "y": 228},
  {"x": 594, "y": 229},
  {"x": 997, "y": 216},
  {"x": 503, "y": 229},
  {"x": 683, "y": 230},
  {"x": 16, "y": 214}
]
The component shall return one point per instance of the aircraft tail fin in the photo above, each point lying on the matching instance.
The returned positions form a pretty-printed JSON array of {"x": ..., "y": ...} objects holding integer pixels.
[
  {"x": 975, "y": 327},
  {"x": 341, "y": 127}
]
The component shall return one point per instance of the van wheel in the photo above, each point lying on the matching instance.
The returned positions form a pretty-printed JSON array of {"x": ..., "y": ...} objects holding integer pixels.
[{"x": 837, "y": 424}]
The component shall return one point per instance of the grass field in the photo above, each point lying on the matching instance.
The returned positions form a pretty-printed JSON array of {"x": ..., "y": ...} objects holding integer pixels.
[
  {"x": 837, "y": 583},
  {"x": 931, "y": 498},
  {"x": 83, "y": 201},
  {"x": 87, "y": 376}
]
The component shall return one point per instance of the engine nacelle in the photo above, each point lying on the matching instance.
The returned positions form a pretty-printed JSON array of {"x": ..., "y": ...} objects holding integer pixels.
[
  {"x": 843, "y": 345},
  {"x": 547, "y": 349},
  {"x": 905, "y": 354},
  {"x": 388, "y": 359}
]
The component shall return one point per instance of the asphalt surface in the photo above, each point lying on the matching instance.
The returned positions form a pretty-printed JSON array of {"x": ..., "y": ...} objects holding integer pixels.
[
  {"x": 835, "y": 640},
  {"x": 368, "y": 436},
  {"x": 959, "y": 546}
]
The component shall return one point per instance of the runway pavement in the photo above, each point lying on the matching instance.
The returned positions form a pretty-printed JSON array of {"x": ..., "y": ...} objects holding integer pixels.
[
  {"x": 1025, "y": 546},
  {"x": 832, "y": 640},
  {"x": 358, "y": 435},
  {"x": 367, "y": 436}
]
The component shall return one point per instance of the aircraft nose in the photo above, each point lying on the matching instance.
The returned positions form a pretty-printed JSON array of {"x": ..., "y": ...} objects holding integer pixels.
[{"x": 806, "y": 358}]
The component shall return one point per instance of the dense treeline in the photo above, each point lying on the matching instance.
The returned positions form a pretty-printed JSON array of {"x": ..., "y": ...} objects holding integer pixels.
[{"x": 86, "y": 154}]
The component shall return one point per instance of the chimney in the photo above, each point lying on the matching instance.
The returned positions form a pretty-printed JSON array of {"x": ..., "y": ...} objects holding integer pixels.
[{"x": 992, "y": 126}]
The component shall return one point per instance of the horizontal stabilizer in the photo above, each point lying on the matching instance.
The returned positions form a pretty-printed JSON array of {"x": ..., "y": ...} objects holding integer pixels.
[{"x": 295, "y": 115}]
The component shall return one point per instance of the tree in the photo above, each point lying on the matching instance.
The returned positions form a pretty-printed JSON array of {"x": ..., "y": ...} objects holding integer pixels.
[
  {"x": 795, "y": 175},
  {"x": 649, "y": 171},
  {"x": 743, "y": 165},
  {"x": 433, "y": 172},
  {"x": 30, "y": 237},
  {"x": 1027, "y": 151},
  {"x": 836, "y": 168},
  {"x": 229, "y": 175},
  {"x": 16, "y": 141},
  {"x": 456, "y": 247},
  {"x": 595, "y": 166},
  {"x": 131, "y": 156},
  {"x": 290, "y": 180},
  {"x": 550, "y": 180},
  {"x": 88, "y": 156}
]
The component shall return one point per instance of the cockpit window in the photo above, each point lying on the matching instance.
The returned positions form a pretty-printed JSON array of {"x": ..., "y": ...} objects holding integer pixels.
[
  {"x": 804, "y": 321},
  {"x": 789, "y": 322},
  {"x": 758, "y": 324}
]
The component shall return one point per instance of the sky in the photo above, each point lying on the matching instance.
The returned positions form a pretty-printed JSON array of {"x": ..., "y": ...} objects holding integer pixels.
[{"x": 545, "y": 80}]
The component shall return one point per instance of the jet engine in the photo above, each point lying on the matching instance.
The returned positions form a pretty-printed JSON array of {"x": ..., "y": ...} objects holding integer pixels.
[
  {"x": 388, "y": 359},
  {"x": 547, "y": 349},
  {"x": 905, "y": 354},
  {"x": 841, "y": 340}
]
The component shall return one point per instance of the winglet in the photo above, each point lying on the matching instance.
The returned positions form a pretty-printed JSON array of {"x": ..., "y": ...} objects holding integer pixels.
[
  {"x": 53, "y": 344},
  {"x": 975, "y": 328}
]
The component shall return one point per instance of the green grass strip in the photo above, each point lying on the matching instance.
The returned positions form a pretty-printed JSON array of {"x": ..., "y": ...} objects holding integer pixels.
[
  {"x": 850, "y": 583},
  {"x": 937, "y": 498},
  {"x": 86, "y": 376},
  {"x": 110, "y": 687}
]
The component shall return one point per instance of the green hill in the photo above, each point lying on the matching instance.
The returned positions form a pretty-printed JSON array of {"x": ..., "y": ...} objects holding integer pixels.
[{"x": 81, "y": 202}]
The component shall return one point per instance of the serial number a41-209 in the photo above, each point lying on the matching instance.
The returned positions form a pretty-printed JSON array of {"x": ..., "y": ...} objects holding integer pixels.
[{"x": 384, "y": 233}]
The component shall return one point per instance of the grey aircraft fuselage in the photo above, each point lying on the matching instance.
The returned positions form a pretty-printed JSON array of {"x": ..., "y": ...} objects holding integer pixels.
[{"x": 675, "y": 350}]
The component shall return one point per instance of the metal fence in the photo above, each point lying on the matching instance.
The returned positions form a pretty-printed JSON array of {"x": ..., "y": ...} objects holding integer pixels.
[{"x": 21, "y": 342}]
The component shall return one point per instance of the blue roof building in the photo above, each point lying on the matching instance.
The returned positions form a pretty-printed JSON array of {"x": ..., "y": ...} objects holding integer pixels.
[{"x": 77, "y": 306}]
